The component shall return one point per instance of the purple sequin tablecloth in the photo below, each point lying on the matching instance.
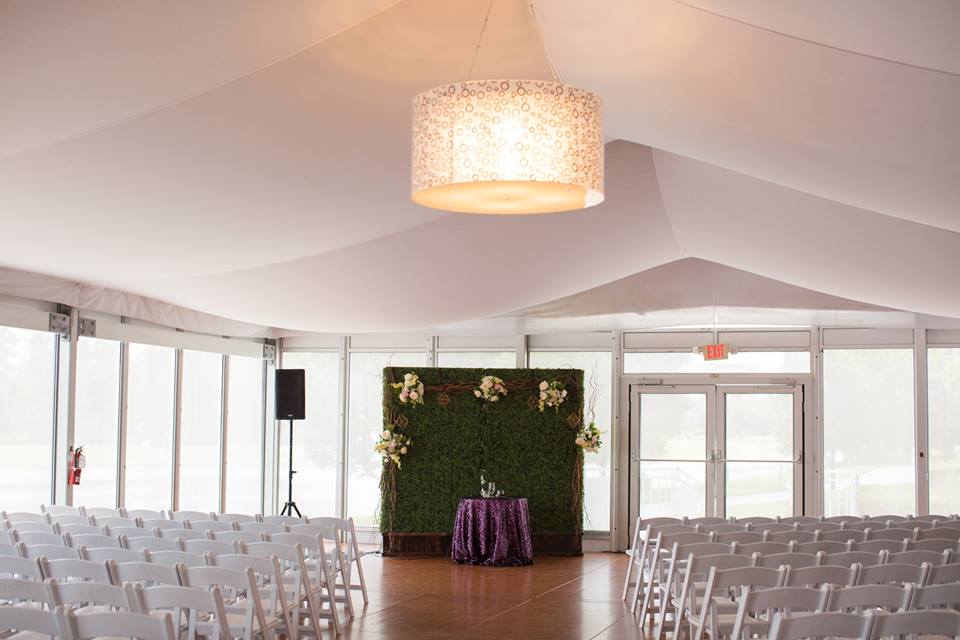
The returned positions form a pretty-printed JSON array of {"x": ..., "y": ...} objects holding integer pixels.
[{"x": 493, "y": 532}]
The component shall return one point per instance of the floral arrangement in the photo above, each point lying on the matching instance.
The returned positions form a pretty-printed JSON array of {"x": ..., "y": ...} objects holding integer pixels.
[
  {"x": 588, "y": 438},
  {"x": 552, "y": 394},
  {"x": 411, "y": 389},
  {"x": 490, "y": 389},
  {"x": 392, "y": 445}
]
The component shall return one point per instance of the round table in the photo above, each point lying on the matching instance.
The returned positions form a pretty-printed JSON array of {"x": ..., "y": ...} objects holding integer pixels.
[{"x": 493, "y": 532}]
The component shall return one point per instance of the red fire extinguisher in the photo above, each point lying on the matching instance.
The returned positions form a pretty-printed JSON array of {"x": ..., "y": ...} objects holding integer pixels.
[{"x": 75, "y": 464}]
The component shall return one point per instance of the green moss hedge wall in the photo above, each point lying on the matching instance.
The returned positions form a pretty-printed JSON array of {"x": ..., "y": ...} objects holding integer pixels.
[{"x": 455, "y": 434}]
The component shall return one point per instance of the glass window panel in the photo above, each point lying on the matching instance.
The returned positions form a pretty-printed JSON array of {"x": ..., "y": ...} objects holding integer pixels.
[
  {"x": 759, "y": 426},
  {"x": 742, "y": 362},
  {"x": 673, "y": 426},
  {"x": 149, "y": 427},
  {"x": 316, "y": 438},
  {"x": 943, "y": 380},
  {"x": 868, "y": 436},
  {"x": 674, "y": 489},
  {"x": 97, "y": 420},
  {"x": 27, "y": 388},
  {"x": 759, "y": 489},
  {"x": 200, "y": 431},
  {"x": 477, "y": 359},
  {"x": 598, "y": 397},
  {"x": 365, "y": 420},
  {"x": 244, "y": 435}
]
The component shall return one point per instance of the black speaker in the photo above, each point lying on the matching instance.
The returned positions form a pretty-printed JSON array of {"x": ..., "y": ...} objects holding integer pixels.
[{"x": 291, "y": 403}]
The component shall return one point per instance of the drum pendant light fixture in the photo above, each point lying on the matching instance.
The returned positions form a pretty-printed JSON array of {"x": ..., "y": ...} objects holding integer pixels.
[{"x": 507, "y": 147}]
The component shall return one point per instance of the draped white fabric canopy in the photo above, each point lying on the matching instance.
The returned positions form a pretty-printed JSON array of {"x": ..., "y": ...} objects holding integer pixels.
[{"x": 250, "y": 160}]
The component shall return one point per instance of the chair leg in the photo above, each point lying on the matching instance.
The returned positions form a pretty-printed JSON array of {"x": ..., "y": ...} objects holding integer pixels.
[{"x": 359, "y": 558}]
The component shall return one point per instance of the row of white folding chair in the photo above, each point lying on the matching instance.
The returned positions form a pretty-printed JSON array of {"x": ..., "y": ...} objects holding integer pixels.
[
  {"x": 248, "y": 587},
  {"x": 168, "y": 568},
  {"x": 757, "y": 608},
  {"x": 728, "y": 574},
  {"x": 686, "y": 555},
  {"x": 866, "y": 626},
  {"x": 64, "y": 624}
]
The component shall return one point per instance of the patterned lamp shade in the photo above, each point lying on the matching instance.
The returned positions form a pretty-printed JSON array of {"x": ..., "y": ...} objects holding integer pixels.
[{"x": 507, "y": 147}]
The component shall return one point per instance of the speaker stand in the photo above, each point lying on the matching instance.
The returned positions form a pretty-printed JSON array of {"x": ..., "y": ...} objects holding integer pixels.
[{"x": 290, "y": 507}]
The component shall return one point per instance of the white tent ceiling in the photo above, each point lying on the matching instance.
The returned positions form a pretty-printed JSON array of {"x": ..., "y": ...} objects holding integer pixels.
[{"x": 250, "y": 160}]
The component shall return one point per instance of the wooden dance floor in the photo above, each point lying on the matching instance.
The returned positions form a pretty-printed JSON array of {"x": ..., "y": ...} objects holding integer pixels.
[{"x": 557, "y": 598}]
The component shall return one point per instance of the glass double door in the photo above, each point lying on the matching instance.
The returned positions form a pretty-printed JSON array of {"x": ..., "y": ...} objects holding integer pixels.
[{"x": 716, "y": 450}]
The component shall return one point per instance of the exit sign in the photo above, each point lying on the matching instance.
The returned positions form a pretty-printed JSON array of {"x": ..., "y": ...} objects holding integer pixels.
[{"x": 715, "y": 351}]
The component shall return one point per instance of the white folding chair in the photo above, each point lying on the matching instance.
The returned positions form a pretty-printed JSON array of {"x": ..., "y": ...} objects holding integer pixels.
[
  {"x": 190, "y": 515},
  {"x": 288, "y": 520},
  {"x": 116, "y": 623},
  {"x": 817, "y": 576},
  {"x": 30, "y": 593},
  {"x": 842, "y": 519},
  {"x": 686, "y": 577},
  {"x": 821, "y": 625},
  {"x": 88, "y": 596},
  {"x": 171, "y": 558},
  {"x": 36, "y": 537},
  {"x": 20, "y": 568},
  {"x": 258, "y": 528},
  {"x": 209, "y": 525},
  {"x": 763, "y": 548},
  {"x": 303, "y": 587},
  {"x": 725, "y": 527},
  {"x": 918, "y": 557},
  {"x": 215, "y": 547},
  {"x": 949, "y": 533},
  {"x": 23, "y": 527},
  {"x": 79, "y": 529},
  {"x": 740, "y": 537},
  {"x": 841, "y": 535},
  {"x": 755, "y": 520},
  {"x": 147, "y": 574},
  {"x": 162, "y": 524},
  {"x": 16, "y": 517},
  {"x": 757, "y": 608},
  {"x": 791, "y": 559},
  {"x": 790, "y": 535},
  {"x": 798, "y": 520},
  {"x": 899, "y": 574},
  {"x": 30, "y": 620},
  {"x": 101, "y": 512},
  {"x": 717, "y": 611},
  {"x": 933, "y": 544},
  {"x": 182, "y": 534},
  {"x": 937, "y": 596},
  {"x": 239, "y": 518},
  {"x": 320, "y": 574},
  {"x": 826, "y": 546},
  {"x": 944, "y": 574},
  {"x": 706, "y": 520},
  {"x": 894, "y": 517},
  {"x": 917, "y": 623},
  {"x": 195, "y": 612},
  {"x": 863, "y": 525},
  {"x": 876, "y": 546},
  {"x": 245, "y": 613},
  {"x": 863, "y": 598},
  {"x": 819, "y": 526},
  {"x": 92, "y": 540},
  {"x": 891, "y": 533},
  {"x": 142, "y": 514},
  {"x": 236, "y": 536},
  {"x": 54, "y": 510},
  {"x": 103, "y": 554},
  {"x": 151, "y": 543},
  {"x": 643, "y": 558},
  {"x": 129, "y": 532},
  {"x": 51, "y": 551},
  {"x": 658, "y": 563},
  {"x": 75, "y": 570},
  {"x": 774, "y": 527},
  {"x": 347, "y": 533},
  {"x": 109, "y": 521},
  {"x": 270, "y": 589},
  {"x": 329, "y": 534},
  {"x": 848, "y": 558}
]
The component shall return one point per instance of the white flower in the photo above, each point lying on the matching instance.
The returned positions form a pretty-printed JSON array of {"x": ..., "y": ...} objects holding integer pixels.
[
  {"x": 543, "y": 395},
  {"x": 494, "y": 398},
  {"x": 408, "y": 378},
  {"x": 403, "y": 450},
  {"x": 414, "y": 395},
  {"x": 477, "y": 393},
  {"x": 544, "y": 386},
  {"x": 386, "y": 434}
]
